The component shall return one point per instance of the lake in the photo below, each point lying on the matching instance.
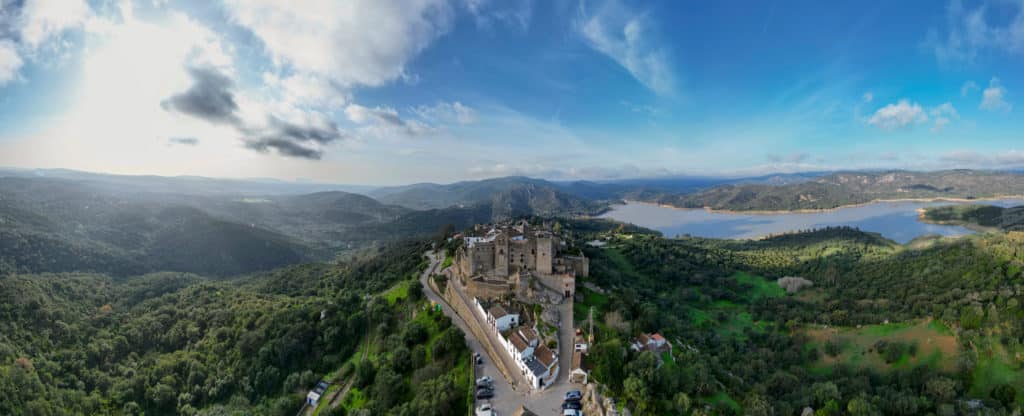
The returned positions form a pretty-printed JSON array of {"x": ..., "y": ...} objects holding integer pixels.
[{"x": 894, "y": 220}]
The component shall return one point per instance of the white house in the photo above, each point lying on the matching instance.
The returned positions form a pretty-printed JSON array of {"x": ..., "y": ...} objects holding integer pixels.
[
  {"x": 496, "y": 316},
  {"x": 500, "y": 319},
  {"x": 314, "y": 395},
  {"x": 651, "y": 342}
]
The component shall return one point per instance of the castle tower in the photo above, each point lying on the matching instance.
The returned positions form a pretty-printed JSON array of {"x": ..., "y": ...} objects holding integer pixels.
[
  {"x": 545, "y": 254},
  {"x": 501, "y": 255}
]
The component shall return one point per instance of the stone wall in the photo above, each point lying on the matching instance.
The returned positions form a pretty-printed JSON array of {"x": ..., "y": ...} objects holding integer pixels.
[{"x": 487, "y": 289}]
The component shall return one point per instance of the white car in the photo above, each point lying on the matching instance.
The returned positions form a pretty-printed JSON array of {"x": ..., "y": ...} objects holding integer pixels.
[
  {"x": 571, "y": 412},
  {"x": 485, "y": 410}
]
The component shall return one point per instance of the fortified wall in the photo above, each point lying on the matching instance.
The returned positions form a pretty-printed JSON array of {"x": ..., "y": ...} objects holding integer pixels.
[{"x": 495, "y": 260}]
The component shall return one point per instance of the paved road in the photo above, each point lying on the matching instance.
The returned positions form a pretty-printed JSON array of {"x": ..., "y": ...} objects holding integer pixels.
[{"x": 506, "y": 399}]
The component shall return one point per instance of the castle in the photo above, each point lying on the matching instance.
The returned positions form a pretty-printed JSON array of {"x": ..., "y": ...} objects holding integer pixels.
[{"x": 497, "y": 258}]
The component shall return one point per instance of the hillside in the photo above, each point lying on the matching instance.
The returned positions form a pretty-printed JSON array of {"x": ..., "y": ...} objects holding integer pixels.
[
  {"x": 850, "y": 188},
  {"x": 985, "y": 216},
  {"x": 877, "y": 328},
  {"x": 515, "y": 190},
  {"x": 180, "y": 344}
]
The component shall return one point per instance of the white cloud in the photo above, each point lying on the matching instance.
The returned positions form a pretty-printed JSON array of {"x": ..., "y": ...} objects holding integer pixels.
[
  {"x": 945, "y": 109},
  {"x": 626, "y": 37},
  {"x": 899, "y": 115},
  {"x": 868, "y": 97},
  {"x": 973, "y": 158},
  {"x": 42, "y": 20},
  {"x": 35, "y": 26},
  {"x": 968, "y": 87},
  {"x": 943, "y": 114},
  {"x": 352, "y": 42},
  {"x": 306, "y": 90},
  {"x": 993, "y": 98},
  {"x": 384, "y": 121},
  {"x": 453, "y": 112},
  {"x": 940, "y": 124},
  {"x": 970, "y": 32},
  {"x": 10, "y": 62},
  {"x": 510, "y": 12}
]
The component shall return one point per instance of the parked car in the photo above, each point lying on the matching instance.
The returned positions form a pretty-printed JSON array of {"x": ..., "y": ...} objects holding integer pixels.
[
  {"x": 485, "y": 410},
  {"x": 484, "y": 381},
  {"x": 571, "y": 412},
  {"x": 572, "y": 405},
  {"x": 573, "y": 396},
  {"x": 485, "y": 394}
]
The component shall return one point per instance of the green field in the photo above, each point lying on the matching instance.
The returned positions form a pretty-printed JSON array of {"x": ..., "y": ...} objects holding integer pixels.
[
  {"x": 399, "y": 291},
  {"x": 926, "y": 343},
  {"x": 730, "y": 318},
  {"x": 762, "y": 288},
  {"x": 996, "y": 365}
]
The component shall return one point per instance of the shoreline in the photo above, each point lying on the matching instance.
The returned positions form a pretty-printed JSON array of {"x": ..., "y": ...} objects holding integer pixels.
[{"x": 822, "y": 210}]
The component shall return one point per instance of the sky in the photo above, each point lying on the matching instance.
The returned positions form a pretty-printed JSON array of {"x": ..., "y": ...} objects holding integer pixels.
[{"x": 384, "y": 92}]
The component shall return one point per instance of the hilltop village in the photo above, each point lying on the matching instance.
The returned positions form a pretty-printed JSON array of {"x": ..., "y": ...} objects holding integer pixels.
[{"x": 514, "y": 284}]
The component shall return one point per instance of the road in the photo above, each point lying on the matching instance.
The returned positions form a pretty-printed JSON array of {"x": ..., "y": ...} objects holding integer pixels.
[{"x": 506, "y": 398}]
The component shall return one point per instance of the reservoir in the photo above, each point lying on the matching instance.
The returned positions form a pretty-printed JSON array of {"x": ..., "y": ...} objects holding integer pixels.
[{"x": 894, "y": 220}]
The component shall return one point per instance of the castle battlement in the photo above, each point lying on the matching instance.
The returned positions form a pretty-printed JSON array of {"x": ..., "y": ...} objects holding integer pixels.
[{"x": 507, "y": 253}]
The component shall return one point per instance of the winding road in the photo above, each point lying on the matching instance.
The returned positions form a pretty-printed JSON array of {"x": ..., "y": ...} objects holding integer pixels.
[{"x": 508, "y": 398}]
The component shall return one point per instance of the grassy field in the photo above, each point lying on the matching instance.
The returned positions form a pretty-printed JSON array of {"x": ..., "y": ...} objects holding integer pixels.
[
  {"x": 762, "y": 288},
  {"x": 996, "y": 365},
  {"x": 448, "y": 260},
  {"x": 399, "y": 291},
  {"x": 930, "y": 343},
  {"x": 731, "y": 319}
]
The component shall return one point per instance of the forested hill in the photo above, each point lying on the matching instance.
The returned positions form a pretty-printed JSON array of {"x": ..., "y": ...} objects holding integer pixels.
[
  {"x": 64, "y": 225},
  {"x": 508, "y": 196},
  {"x": 181, "y": 344},
  {"x": 986, "y": 216},
  {"x": 836, "y": 320},
  {"x": 850, "y": 188}
]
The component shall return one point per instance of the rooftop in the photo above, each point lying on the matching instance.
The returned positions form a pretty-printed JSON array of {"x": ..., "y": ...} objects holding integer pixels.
[
  {"x": 497, "y": 311},
  {"x": 528, "y": 334},
  {"x": 518, "y": 342},
  {"x": 544, "y": 354},
  {"x": 536, "y": 367}
]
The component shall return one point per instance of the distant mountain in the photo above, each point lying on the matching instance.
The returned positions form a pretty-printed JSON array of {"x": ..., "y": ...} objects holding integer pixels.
[
  {"x": 53, "y": 225},
  {"x": 342, "y": 207},
  {"x": 507, "y": 196},
  {"x": 193, "y": 185},
  {"x": 435, "y": 196},
  {"x": 986, "y": 216},
  {"x": 850, "y": 188}
]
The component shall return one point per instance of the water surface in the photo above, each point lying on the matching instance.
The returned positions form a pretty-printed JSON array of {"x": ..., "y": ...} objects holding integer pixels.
[{"x": 894, "y": 220}]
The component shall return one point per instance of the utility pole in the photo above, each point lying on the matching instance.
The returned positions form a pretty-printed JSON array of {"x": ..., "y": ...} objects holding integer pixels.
[{"x": 591, "y": 318}]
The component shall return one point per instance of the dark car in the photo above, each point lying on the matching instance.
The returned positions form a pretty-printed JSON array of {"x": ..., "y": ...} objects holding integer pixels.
[
  {"x": 572, "y": 405},
  {"x": 573, "y": 396},
  {"x": 484, "y": 394}
]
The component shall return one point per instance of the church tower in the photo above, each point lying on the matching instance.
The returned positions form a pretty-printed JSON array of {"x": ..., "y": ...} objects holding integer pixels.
[
  {"x": 501, "y": 255},
  {"x": 545, "y": 254}
]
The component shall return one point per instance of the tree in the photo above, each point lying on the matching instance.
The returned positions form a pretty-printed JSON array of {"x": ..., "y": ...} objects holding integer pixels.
[
  {"x": 824, "y": 392},
  {"x": 636, "y": 392},
  {"x": 860, "y": 406},
  {"x": 609, "y": 363},
  {"x": 1004, "y": 393}
]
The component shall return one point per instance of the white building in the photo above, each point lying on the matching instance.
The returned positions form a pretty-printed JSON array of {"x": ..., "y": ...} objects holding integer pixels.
[
  {"x": 314, "y": 395},
  {"x": 496, "y": 316}
]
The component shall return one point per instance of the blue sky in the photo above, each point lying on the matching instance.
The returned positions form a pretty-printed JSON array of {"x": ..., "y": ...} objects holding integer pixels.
[{"x": 388, "y": 92}]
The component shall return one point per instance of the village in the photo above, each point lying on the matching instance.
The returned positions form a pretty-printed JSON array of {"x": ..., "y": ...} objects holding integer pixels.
[{"x": 513, "y": 286}]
